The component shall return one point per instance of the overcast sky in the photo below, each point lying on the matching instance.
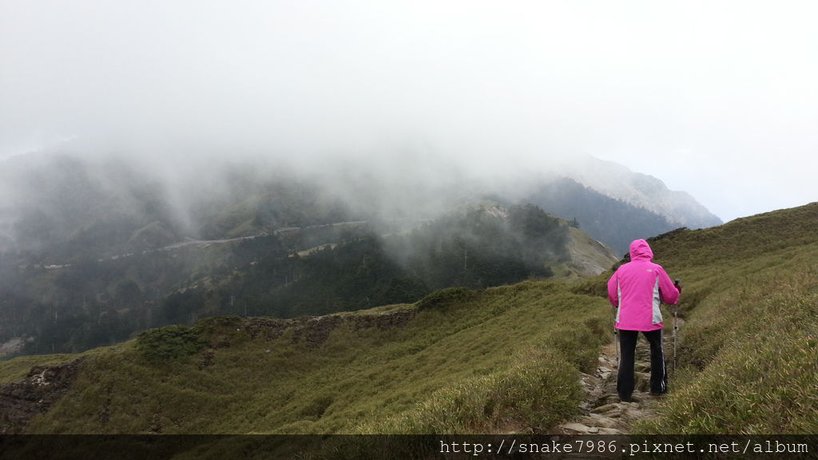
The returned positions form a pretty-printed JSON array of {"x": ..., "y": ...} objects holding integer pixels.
[{"x": 715, "y": 98}]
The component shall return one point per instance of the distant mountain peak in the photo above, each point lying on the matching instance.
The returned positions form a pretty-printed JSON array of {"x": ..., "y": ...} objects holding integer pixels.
[{"x": 638, "y": 189}]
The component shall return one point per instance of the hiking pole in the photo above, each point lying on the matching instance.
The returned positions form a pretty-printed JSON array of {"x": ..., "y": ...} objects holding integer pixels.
[
  {"x": 675, "y": 328},
  {"x": 675, "y": 325},
  {"x": 616, "y": 337}
]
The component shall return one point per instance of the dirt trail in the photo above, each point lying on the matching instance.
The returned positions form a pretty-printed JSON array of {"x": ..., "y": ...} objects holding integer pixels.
[{"x": 602, "y": 412}]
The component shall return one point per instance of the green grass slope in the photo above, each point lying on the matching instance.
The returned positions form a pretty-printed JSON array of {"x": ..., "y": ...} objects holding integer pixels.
[
  {"x": 458, "y": 361},
  {"x": 749, "y": 350}
]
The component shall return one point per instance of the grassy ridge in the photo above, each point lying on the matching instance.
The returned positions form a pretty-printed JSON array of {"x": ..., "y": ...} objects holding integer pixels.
[
  {"x": 495, "y": 360},
  {"x": 507, "y": 356},
  {"x": 750, "y": 343}
]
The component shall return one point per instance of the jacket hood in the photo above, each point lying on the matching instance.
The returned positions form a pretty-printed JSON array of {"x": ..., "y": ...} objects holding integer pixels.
[{"x": 641, "y": 250}]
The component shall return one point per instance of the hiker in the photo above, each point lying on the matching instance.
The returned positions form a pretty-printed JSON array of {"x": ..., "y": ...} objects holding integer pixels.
[{"x": 636, "y": 290}]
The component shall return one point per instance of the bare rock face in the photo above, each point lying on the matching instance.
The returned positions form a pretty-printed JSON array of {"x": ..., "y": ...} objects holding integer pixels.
[{"x": 34, "y": 395}]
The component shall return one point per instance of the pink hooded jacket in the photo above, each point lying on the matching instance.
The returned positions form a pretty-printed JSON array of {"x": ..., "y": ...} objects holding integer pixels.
[{"x": 637, "y": 288}]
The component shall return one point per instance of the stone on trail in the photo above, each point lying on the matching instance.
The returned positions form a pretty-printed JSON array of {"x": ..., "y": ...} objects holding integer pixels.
[
  {"x": 605, "y": 408},
  {"x": 609, "y": 431},
  {"x": 577, "y": 428},
  {"x": 601, "y": 421}
]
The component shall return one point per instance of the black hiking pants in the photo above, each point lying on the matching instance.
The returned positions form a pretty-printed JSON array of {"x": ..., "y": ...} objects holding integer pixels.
[{"x": 658, "y": 373}]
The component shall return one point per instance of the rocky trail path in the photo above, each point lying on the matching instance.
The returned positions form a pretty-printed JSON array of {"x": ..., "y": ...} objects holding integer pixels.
[{"x": 602, "y": 411}]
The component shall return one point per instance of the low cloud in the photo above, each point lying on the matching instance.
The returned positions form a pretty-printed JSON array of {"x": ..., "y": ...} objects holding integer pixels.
[{"x": 471, "y": 88}]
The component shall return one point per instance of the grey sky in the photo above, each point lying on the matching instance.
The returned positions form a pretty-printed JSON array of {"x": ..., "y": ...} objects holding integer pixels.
[{"x": 715, "y": 98}]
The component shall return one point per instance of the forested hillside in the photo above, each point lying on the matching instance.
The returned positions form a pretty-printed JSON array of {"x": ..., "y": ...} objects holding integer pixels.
[{"x": 506, "y": 359}]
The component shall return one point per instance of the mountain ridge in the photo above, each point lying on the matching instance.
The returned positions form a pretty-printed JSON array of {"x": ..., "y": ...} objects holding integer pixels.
[
  {"x": 292, "y": 272},
  {"x": 619, "y": 182},
  {"x": 104, "y": 247},
  {"x": 749, "y": 305}
]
